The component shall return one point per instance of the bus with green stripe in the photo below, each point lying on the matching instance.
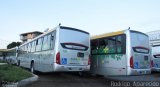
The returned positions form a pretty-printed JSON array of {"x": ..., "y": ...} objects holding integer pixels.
[{"x": 120, "y": 53}]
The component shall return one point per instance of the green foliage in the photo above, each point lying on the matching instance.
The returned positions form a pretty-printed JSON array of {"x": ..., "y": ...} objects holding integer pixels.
[{"x": 13, "y": 44}]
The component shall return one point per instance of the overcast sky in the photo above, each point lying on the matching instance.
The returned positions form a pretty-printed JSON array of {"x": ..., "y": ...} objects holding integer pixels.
[{"x": 94, "y": 16}]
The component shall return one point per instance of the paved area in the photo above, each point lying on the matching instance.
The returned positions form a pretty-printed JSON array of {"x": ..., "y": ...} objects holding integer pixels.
[
  {"x": 69, "y": 80},
  {"x": 73, "y": 80},
  {"x": 155, "y": 76}
]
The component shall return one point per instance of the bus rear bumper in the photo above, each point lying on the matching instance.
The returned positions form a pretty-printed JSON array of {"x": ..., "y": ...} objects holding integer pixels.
[
  {"x": 140, "y": 71},
  {"x": 155, "y": 69},
  {"x": 69, "y": 68}
]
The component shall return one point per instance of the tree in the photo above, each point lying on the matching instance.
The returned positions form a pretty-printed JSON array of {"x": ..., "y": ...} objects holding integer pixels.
[{"x": 13, "y": 44}]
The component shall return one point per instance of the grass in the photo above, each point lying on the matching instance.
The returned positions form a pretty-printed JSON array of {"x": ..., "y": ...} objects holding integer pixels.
[
  {"x": 1, "y": 61},
  {"x": 12, "y": 73}
]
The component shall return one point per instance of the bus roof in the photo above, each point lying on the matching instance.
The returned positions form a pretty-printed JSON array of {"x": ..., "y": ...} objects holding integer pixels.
[
  {"x": 6, "y": 50},
  {"x": 75, "y": 29},
  {"x": 139, "y": 32},
  {"x": 45, "y": 33},
  {"x": 107, "y": 34}
]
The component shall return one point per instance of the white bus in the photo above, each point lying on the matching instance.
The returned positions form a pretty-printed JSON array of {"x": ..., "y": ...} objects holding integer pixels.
[
  {"x": 155, "y": 62},
  {"x": 11, "y": 55},
  {"x": 120, "y": 53},
  {"x": 58, "y": 50},
  {"x": 1, "y": 55},
  {"x": 154, "y": 37}
]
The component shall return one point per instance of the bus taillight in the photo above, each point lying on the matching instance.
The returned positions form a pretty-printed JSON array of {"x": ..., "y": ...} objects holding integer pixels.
[
  {"x": 131, "y": 62},
  {"x": 89, "y": 60},
  {"x": 58, "y": 58}
]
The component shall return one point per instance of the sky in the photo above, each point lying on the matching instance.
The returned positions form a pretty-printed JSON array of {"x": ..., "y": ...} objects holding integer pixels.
[{"x": 93, "y": 16}]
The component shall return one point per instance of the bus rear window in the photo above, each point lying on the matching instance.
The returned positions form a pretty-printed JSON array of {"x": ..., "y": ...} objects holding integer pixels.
[
  {"x": 141, "y": 50},
  {"x": 74, "y": 46},
  {"x": 157, "y": 56}
]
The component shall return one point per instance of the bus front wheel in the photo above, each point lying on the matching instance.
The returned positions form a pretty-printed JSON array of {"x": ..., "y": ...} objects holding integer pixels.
[{"x": 32, "y": 67}]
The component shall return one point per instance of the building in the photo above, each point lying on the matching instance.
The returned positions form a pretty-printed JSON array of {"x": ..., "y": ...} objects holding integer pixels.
[{"x": 29, "y": 35}]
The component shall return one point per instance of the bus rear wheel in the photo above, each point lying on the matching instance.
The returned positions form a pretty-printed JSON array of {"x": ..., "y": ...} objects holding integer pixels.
[{"x": 82, "y": 74}]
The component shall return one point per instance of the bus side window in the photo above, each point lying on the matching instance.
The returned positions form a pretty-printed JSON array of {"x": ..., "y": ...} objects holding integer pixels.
[
  {"x": 119, "y": 44},
  {"x": 94, "y": 47},
  {"x": 29, "y": 47},
  {"x": 46, "y": 42},
  {"x": 26, "y": 47},
  {"x": 111, "y": 45},
  {"x": 52, "y": 42},
  {"x": 33, "y": 46},
  {"x": 23, "y": 48},
  {"x": 49, "y": 41},
  {"x": 53, "y": 37},
  {"x": 102, "y": 46},
  {"x": 38, "y": 44}
]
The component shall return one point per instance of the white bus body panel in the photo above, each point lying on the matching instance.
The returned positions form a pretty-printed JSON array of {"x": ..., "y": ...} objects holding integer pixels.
[
  {"x": 69, "y": 59},
  {"x": 109, "y": 65},
  {"x": 11, "y": 55},
  {"x": 141, "y": 61}
]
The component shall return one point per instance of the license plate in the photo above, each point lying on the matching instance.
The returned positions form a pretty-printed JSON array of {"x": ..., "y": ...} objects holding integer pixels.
[
  {"x": 145, "y": 57},
  {"x": 79, "y": 54}
]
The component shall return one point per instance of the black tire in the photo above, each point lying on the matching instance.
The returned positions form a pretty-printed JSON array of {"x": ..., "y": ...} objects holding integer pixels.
[
  {"x": 18, "y": 63},
  {"x": 81, "y": 74}
]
